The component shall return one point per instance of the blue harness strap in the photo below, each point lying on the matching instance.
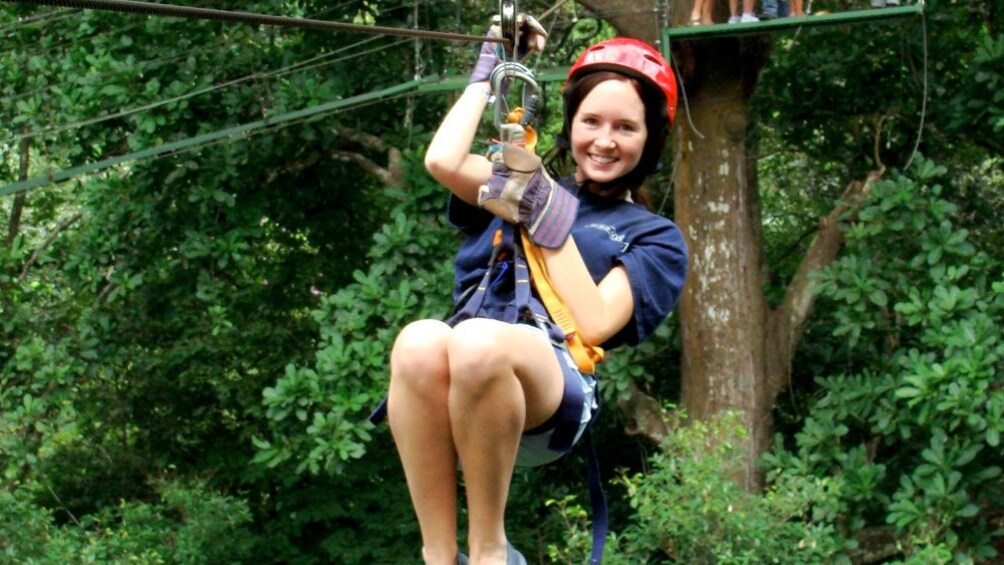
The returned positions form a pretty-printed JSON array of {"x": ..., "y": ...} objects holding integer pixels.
[{"x": 598, "y": 501}]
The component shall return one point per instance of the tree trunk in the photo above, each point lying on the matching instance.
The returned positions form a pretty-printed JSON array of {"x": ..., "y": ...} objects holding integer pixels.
[
  {"x": 17, "y": 208},
  {"x": 736, "y": 351},
  {"x": 723, "y": 310}
]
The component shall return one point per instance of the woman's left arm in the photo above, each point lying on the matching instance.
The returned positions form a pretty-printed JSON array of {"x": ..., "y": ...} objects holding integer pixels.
[{"x": 600, "y": 310}]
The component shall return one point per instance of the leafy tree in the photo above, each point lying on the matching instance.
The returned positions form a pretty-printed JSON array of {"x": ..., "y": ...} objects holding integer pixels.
[
  {"x": 911, "y": 423},
  {"x": 190, "y": 344}
]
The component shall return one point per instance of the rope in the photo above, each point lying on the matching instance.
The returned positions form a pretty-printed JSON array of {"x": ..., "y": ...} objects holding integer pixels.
[
  {"x": 169, "y": 10},
  {"x": 679, "y": 79}
]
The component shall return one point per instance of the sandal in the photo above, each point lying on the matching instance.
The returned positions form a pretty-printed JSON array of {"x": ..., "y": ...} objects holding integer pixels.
[{"x": 695, "y": 22}]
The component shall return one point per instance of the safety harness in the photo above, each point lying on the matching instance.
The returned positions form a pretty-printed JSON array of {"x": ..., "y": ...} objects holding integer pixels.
[
  {"x": 521, "y": 259},
  {"x": 518, "y": 262}
]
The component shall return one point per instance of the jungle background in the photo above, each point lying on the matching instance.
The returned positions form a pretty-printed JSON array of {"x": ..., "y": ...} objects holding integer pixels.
[{"x": 192, "y": 342}]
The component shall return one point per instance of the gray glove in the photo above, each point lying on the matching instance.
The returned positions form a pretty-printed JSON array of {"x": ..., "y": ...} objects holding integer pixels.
[{"x": 520, "y": 191}]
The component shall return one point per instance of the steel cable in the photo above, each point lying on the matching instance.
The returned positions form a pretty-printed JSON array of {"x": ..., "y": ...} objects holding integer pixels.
[{"x": 171, "y": 10}]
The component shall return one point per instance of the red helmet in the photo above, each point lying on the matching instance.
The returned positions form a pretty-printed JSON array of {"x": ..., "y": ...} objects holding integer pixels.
[{"x": 638, "y": 58}]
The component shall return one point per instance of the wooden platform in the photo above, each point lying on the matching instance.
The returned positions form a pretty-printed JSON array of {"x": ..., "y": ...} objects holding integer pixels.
[{"x": 688, "y": 33}]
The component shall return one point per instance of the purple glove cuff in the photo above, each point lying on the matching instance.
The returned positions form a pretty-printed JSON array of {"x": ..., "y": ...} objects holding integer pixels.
[
  {"x": 548, "y": 211},
  {"x": 487, "y": 59}
]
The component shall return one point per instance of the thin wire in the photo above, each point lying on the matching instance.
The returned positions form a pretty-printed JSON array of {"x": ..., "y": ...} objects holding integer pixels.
[
  {"x": 44, "y": 18},
  {"x": 683, "y": 90},
  {"x": 277, "y": 127},
  {"x": 171, "y": 10},
  {"x": 270, "y": 129},
  {"x": 556, "y": 5},
  {"x": 554, "y": 20},
  {"x": 121, "y": 114},
  {"x": 144, "y": 66},
  {"x": 72, "y": 12},
  {"x": 46, "y": 52},
  {"x": 923, "y": 103}
]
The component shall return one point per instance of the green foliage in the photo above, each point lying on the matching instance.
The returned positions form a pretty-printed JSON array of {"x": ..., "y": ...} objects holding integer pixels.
[
  {"x": 914, "y": 432},
  {"x": 978, "y": 104},
  {"x": 688, "y": 508},
  {"x": 143, "y": 311},
  {"x": 318, "y": 413},
  {"x": 185, "y": 525}
]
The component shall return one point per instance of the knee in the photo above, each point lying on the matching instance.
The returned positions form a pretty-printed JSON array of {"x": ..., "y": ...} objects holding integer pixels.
[
  {"x": 418, "y": 359},
  {"x": 477, "y": 355}
]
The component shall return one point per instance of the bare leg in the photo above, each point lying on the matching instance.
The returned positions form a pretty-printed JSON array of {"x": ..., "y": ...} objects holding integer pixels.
[
  {"x": 504, "y": 379},
  {"x": 697, "y": 12},
  {"x": 748, "y": 6},
  {"x": 419, "y": 421}
]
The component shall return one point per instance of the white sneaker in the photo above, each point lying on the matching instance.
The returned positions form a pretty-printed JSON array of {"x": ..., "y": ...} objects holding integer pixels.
[
  {"x": 892, "y": 2},
  {"x": 878, "y": 3},
  {"x": 734, "y": 19},
  {"x": 748, "y": 19}
]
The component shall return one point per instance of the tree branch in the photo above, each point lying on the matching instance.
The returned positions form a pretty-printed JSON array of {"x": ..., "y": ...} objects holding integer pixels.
[
  {"x": 391, "y": 175},
  {"x": 367, "y": 140},
  {"x": 386, "y": 176},
  {"x": 14, "y": 227},
  {"x": 875, "y": 545},
  {"x": 52, "y": 237},
  {"x": 787, "y": 321},
  {"x": 644, "y": 414},
  {"x": 293, "y": 167}
]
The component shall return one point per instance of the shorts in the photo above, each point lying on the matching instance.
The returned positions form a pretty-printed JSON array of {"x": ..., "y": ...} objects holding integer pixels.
[{"x": 556, "y": 437}]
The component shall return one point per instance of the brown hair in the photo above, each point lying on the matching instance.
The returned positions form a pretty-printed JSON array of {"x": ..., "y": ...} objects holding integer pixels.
[{"x": 559, "y": 160}]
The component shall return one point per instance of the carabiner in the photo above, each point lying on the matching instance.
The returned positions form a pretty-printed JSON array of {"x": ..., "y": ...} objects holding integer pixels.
[{"x": 510, "y": 71}]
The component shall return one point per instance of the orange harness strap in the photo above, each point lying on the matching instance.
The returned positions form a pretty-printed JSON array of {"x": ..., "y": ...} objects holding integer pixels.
[{"x": 586, "y": 356}]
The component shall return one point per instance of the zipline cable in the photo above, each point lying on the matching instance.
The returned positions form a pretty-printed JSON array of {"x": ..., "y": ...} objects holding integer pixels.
[
  {"x": 53, "y": 176},
  {"x": 171, "y": 10}
]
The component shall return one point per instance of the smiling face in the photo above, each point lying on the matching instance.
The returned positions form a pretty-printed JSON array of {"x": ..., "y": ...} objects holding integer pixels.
[{"x": 608, "y": 132}]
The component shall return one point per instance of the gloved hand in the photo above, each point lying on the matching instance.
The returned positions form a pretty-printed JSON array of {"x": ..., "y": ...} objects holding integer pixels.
[
  {"x": 532, "y": 37},
  {"x": 520, "y": 191}
]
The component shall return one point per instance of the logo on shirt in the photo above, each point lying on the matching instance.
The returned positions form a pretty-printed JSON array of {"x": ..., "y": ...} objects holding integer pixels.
[{"x": 612, "y": 234}]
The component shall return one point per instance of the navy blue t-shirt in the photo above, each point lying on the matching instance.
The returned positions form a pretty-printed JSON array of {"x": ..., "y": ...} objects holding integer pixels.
[{"x": 608, "y": 232}]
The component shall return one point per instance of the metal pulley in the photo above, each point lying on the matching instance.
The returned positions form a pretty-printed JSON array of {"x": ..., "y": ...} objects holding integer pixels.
[
  {"x": 509, "y": 26},
  {"x": 510, "y": 70}
]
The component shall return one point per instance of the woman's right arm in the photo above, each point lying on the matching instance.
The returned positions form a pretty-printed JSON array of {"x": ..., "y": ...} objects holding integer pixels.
[{"x": 449, "y": 159}]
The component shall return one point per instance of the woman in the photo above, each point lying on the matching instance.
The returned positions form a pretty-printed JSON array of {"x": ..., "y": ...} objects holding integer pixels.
[{"x": 483, "y": 391}]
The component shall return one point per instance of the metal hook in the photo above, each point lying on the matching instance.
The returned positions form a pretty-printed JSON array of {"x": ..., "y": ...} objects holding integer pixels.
[{"x": 510, "y": 71}]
